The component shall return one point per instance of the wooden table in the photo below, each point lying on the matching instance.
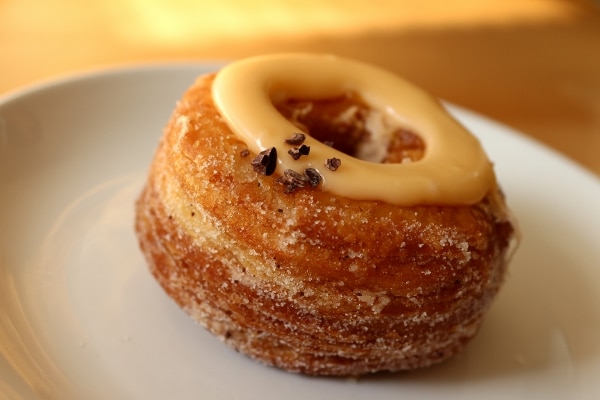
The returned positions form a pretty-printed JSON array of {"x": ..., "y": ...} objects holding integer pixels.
[{"x": 531, "y": 64}]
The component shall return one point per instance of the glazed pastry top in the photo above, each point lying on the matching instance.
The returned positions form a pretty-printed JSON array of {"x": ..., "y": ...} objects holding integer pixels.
[{"x": 454, "y": 169}]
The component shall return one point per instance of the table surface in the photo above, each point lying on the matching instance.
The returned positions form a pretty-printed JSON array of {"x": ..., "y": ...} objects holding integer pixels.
[{"x": 530, "y": 64}]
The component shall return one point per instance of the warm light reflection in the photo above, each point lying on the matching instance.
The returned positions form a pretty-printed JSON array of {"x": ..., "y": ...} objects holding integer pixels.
[{"x": 172, "y": 22}]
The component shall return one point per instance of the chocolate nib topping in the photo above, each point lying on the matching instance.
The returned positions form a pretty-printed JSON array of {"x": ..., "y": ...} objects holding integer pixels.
[
  {"x": 314, "y": 177},
  {"x": 296, "y": 139},
  {"x": 293, "y": 180},
  {"x": 245, "y": 153},
  {"x": 266, "y": 161},
  {"x": 294, "y": 177},
  {"x": 333, "y": 163},
  {"x": 298, "y": 152}
]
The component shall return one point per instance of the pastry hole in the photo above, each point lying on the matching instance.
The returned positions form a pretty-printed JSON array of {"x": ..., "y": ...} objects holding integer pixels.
[{"x": 349, "y": 125}]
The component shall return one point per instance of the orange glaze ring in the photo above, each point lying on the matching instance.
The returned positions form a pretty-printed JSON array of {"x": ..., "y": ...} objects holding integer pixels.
[
  {"x": 312, "y": 281},
  {"x": 454, "y": 170}
]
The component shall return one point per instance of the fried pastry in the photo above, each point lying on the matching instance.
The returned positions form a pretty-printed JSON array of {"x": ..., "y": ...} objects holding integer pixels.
[{"x": 324, "y": 216}]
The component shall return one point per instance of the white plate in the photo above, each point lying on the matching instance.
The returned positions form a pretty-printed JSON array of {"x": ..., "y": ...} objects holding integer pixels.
[{"x": 80, "y": 316}]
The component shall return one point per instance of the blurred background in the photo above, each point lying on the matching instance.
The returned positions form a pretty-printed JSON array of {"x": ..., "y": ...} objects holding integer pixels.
[{"x": 531, "y": 64}]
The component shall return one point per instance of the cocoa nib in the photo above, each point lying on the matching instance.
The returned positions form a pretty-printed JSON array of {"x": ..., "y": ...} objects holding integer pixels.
[
  {"x": 293, "y": 180},
  {"x": 333, "y": 163},
  {"x": 298, "y": 152},
  {"x": 265, "y": 162},
  {"x": 314, "y": 177},
  {"x": 296, "y": 139}
]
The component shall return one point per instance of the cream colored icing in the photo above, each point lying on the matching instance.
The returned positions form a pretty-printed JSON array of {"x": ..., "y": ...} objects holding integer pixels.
[{"x": 454, "y": 169}]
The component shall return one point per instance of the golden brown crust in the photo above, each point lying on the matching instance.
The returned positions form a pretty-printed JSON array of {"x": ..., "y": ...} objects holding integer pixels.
[{"x": 308, "y": 281}]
